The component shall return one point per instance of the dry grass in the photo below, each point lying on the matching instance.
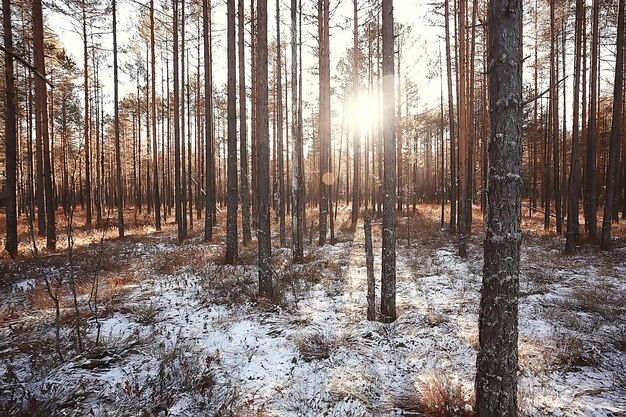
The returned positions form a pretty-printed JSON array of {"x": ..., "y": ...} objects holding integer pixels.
[
  {"x": 571, "y": 352},
  {"x": 316, "y": 344},
  {"x": 596, "y": 300},
  {"x": 436, "y": 395}
]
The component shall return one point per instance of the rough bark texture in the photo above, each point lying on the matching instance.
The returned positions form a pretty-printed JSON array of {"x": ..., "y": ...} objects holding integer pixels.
[
  {"x": 451, "y": 119},
  {"x": 463, "y": 133},
  {"x": 279, "y": 139},
  {"x": 118, "y": 157},
  {"x": 232, "y": 198},
  {"x": 10, "y": 133},
  {"x": 155, "y": 165},
  {"x": 369, "y": 261},
  {"x": 208, "y": 125},
  {"x": 297, "y": 219},
  {"x": 356, "y": 195},
  {"x": 179, "y": 190},
  {"x": 87, "y": 136},
  {"x": 574, "y": 174},
  {"x": 325, "y": 178},
  {"x": 612, "y": 170},
  {"x": 243, "y": 143},
  {"x": 41, "y": 106},
  {"x": 591, "y": 182},
  {"x": 496, "y": 363},
  {"x": 263, "y": 223},
  {"x": 388, "y": 283}
]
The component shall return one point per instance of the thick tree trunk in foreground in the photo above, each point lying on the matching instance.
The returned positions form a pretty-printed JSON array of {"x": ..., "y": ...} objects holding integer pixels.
[
  {"x": 388, "y": 284},
  {"x": 496, "y": 363}
]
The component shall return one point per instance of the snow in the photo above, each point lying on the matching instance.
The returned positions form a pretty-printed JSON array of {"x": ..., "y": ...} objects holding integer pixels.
[{"x": 199, "y": 342}]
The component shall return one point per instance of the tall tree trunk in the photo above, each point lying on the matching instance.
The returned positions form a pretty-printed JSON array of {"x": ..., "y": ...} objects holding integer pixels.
[
  {"x": 451, "y": 114},
  {"x": 279, "y": 139},
  {"x": 388, "y": 286},
  {"x": 554, "y": 118},
  {"x": 463, "y": 133},
  {"x": 208, "y": 125},
  {"x": 41, "y": 106},
  {"x": 613, "y": 165},
  {"x": 591, "y": 182},
  {"x": 87, "y": 135},
  {"x": 243, "y": 144},
  {"x": 179, "y": 190},
  {"x": 181, "y": 115},
  {"x": 571, "y": 237},
  {"x": 10, "y": 134},
  {"x": 263, "y": 224},
  {"x": 116, "y": 124},
  {"x": 399, "y": 132},
  {"x": 496, "y": 363},
  {"x": 155, "y": 165},
  {"x": 325, "y": 176},
  {"x": 356, "y": 139},
  {"x": 231, "y": 220},
  {"x": 297, "y": 174}
]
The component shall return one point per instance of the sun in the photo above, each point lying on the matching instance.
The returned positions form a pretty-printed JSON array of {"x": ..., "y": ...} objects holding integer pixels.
[{"x": 365, "y": 112}]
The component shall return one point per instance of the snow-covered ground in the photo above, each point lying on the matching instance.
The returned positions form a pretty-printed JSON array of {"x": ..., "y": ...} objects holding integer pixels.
[{"x": 181, "y": 334}]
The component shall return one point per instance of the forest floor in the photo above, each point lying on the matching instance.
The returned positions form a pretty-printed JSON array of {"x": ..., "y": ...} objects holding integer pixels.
[{"x": 174, "y": 331}]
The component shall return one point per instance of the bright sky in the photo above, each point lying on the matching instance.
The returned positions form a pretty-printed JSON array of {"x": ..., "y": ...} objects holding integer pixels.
[{"x": 420, "y": 48}]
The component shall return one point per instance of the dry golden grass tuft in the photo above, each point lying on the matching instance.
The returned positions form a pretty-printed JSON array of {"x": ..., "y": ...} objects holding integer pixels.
[{"x": 436, "y": 395}]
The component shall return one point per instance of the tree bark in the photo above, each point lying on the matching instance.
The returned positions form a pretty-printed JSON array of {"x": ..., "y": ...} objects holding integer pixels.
[
  {"x": 571, "y": 237},
  {"x": 10, "y": 133},
  {"x": 208, "y": 126},
  {"x": 496, "y": 363},
  {"x": 613, "y": 165},
  {"x": 243, "y": 144},
  {"x": 369, "y": 260},
  {"x": 178, "y": 189},
  {"x": 263, "y": 223},
  {"x": 87, "y": 136},
  {"x": 279, "y": 139},
  {"x": 41, "y": 108},
  {"x": 297, "y": 175},
  {"x": 388, "y": 284},
  {"x": 155, "y": 165},
  {"x": 451, "y": 114},
  {"x": 356, "y": 139},
  {"x": 591, "y": 182},
  {"x": 231, "y": 211}
]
